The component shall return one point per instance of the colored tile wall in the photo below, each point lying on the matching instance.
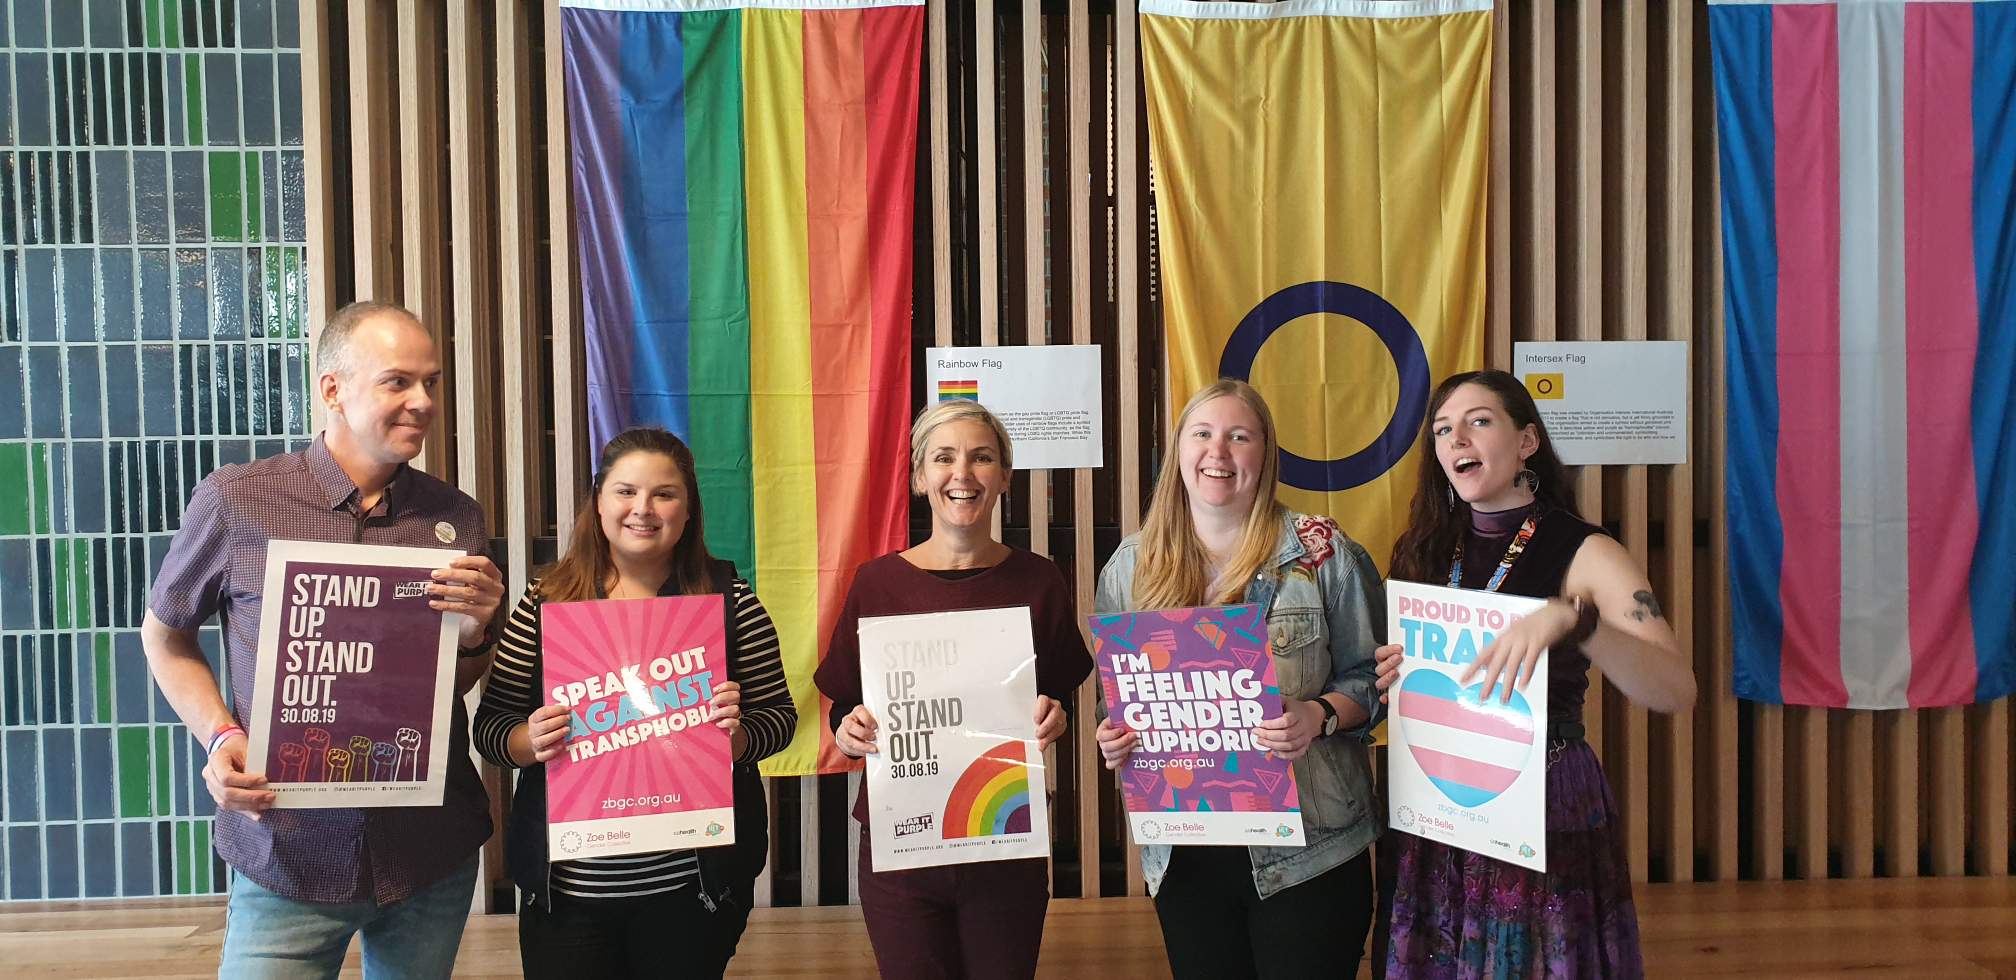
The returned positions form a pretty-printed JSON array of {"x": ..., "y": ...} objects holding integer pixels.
[{"x": 151, "y": 329}]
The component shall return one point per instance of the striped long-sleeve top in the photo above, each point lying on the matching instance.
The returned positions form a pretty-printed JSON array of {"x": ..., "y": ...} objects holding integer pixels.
[{"x": 769, "y": 718}]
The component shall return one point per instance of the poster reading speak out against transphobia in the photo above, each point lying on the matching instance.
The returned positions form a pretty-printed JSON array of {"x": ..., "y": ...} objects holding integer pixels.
[
  {"x": 644, "y": 767},
  {"x": 355, "y": 672}
]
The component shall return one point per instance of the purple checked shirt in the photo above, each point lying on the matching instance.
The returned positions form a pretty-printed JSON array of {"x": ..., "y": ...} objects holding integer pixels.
[{"x": 217, "y": 565}]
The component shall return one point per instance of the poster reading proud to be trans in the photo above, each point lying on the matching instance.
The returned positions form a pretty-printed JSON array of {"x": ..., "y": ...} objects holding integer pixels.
[
  {"x": 643, "y": 767},
  {"x": 1195, "y": 683},
  {"x": 350, "y": 699},
  {"x": 958, "y": 778},
  {"x": 1463, "y": 769}
]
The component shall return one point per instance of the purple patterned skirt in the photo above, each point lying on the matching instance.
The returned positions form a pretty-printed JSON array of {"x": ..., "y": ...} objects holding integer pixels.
[{"x": 1456, "y": 914}]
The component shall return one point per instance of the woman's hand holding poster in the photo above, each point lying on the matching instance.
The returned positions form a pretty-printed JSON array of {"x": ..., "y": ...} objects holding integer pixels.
[
  {"x": 1195, "y": 683},
  {"x": 1467, "y": 771},
  {"x": 958, "y": 778},
  {"x": 643, "y": 767},
  {"x": 351, "y": 689}
]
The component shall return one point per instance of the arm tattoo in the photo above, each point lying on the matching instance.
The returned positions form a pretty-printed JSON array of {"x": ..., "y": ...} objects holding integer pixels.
[{"x": 1647, "y": 608}]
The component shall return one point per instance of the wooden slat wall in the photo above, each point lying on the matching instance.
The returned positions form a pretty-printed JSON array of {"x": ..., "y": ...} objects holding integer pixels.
[{"x": 1036, "y": 225}]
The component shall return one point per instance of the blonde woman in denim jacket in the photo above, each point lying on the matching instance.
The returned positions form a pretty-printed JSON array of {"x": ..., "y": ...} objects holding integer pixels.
[{"x": 1216, "y": 535}]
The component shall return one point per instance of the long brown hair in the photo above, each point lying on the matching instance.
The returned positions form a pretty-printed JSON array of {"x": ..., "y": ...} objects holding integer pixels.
[
  {"x": 1170, "y": 571},
  {"x": 1433, "y": 522},
  {"x": 577, "y": 574}
]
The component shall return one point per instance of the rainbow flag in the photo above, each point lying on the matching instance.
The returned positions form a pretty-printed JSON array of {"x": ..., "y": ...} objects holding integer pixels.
[
  {"x": 743, "y": 189},
  {"x": 1868, "y": 154},
  {"x": 948, "y": 390},
  {"x": 1316, "y": 158}
]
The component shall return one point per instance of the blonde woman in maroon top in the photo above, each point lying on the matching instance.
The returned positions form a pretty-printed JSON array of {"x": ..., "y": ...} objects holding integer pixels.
[{"x": 968, "y": 920}]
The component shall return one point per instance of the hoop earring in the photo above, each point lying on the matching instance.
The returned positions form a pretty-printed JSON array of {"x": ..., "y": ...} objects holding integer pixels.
[
  {"x": 1450, "y": 489},
  {"x": 1530, "y": 479}
]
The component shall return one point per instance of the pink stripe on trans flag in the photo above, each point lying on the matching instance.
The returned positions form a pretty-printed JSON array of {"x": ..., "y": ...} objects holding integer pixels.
[
  {"x": 1469, "y": 772},
  {"x": 1942, "y": 327},
  {"x": 1442, "y": 711},
  {"x": 1805, "y": 101}
]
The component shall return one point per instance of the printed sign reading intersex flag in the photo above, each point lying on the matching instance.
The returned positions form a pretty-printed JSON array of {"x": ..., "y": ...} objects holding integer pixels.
[
  {"x": 1464, "y": 769},
  {"x": 350, "y": 702},
  {"x": 643, "y": 767},
  {"x": 1196, "y": 683}
]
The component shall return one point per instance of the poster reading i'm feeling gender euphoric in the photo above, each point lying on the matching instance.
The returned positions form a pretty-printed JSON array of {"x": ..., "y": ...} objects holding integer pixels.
[
  {"x": 643, "y": 768},
  {"x": 350, "y": 702},
  {"x": 1195, "y": 683},
  {"x": 958, "y": 777}
]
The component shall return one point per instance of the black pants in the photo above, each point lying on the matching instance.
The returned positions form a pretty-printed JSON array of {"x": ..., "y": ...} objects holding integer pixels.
[
  {"x": 1215, "y": 924},
  {"x": 669, "y": 935},
  {"x": 979, "y": 921}
]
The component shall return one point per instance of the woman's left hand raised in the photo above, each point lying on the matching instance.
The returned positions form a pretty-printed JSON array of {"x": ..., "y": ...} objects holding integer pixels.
[{"x": 1515, "y": 654}]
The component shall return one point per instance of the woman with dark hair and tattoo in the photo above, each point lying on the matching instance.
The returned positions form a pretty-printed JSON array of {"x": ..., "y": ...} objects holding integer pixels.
[{"x": 1493, "y": 511}]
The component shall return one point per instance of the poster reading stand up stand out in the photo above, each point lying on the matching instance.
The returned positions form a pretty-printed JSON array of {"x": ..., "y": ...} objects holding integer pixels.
[
  {"x": 1462, "y": 769},
  {"x": 643, "y": 767},
  {"x": 355, "y": 671},
  {"x": 957, "y": 778},
  {"x": 1196, "y": 683}
]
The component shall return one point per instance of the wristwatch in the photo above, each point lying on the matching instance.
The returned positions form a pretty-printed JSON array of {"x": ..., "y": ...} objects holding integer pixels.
[{"x": 1329, "y": 716}]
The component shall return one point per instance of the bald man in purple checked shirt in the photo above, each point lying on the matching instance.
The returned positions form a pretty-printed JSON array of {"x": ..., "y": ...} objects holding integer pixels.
[{"x": 308, "y": 880}]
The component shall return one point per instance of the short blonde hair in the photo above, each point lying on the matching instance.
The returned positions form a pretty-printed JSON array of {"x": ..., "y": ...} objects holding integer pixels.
[{"x": 955, "y": 410}]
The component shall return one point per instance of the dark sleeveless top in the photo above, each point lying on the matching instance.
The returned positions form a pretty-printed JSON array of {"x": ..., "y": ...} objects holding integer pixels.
[{"x": 1539, "y": 572}]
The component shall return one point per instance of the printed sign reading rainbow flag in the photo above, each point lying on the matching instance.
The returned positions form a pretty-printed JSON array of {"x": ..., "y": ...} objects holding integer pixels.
[
  {"x": 743, "y": 171},
  {"x": 958, "y": 777}
]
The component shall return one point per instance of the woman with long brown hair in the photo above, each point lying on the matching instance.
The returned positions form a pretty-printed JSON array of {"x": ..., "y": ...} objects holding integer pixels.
[
  {"x": 1216, "y": 535},
  {"x": 1493, "y": 510},
  {"x": 639, "y": 533}
]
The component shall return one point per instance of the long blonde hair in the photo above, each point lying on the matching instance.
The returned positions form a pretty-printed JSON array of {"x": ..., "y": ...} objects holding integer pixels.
[{"x": 1170, "y": 571}]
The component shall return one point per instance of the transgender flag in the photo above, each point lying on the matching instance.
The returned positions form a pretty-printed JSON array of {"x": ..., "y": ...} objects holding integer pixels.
[
  {"x": 1868, "y": 152},
  {"x": 744, "y": 179}
]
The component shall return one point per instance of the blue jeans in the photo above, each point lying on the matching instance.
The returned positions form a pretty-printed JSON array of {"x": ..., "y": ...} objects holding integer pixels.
[{"x": 271, "y": 936}]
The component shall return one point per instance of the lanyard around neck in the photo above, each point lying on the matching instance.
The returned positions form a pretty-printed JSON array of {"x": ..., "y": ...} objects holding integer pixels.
[{"x": 1512, "y": 553}]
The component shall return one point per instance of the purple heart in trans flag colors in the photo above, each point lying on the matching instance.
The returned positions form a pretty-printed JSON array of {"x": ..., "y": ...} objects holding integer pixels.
[{"x": 1471, "y": 749}]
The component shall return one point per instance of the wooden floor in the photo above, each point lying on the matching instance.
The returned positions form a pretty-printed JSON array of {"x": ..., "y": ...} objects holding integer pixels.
[{"x": 1884, "y": 928}]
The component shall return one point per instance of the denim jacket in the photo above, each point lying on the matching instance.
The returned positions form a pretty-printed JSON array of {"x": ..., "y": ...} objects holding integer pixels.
[{"x": 1326, "y": 609}]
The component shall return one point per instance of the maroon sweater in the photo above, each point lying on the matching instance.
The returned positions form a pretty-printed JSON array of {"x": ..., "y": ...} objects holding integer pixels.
[{"x": 891, "y": 586}]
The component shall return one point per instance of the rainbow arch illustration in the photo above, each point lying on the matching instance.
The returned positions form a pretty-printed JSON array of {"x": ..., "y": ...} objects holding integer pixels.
[{"x": 991, "y": 798}]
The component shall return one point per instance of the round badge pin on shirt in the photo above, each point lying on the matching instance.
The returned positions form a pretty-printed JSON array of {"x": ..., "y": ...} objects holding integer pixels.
[{"x": 445, "y": 531}]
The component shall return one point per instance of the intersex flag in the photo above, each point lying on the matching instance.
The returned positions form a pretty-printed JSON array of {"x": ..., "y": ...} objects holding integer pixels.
[{"x": 1321, "y": 179}]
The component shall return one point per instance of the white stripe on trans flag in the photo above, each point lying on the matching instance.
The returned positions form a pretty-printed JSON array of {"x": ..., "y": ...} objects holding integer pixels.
[{"x": 1875, "y": 582}]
